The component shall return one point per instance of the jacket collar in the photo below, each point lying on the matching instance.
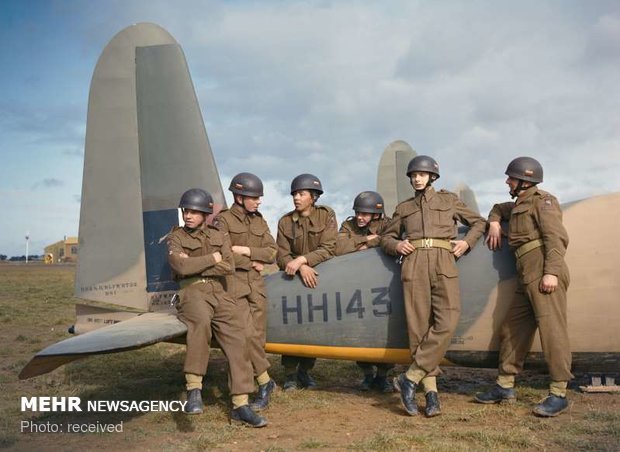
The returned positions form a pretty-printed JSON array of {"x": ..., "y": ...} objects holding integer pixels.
[
  {"x": 526, "y": 195},
  {"x": 427, "y": 194}
]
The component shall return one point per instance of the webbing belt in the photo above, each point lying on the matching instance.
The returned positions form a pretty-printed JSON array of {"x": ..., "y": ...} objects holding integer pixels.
[
  {"x": 527, "y": 247},
  {"x": 432, "y": 243},
  {"x": 185, "y": 282}
]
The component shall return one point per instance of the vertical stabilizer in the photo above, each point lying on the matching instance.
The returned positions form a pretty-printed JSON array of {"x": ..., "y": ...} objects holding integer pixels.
[
  {"x": 468, "y": 196},
  {"x": 392, "y": 181},
  {"x": 145, "y": 145}
]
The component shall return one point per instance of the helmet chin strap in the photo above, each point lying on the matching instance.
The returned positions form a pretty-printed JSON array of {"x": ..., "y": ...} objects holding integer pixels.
[
  {"x": 518, "y": 189},
  {"x": 428, "y": 184}
]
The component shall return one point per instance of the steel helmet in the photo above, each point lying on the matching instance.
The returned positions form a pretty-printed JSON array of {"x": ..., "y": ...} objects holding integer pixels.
[
  {"x": 525, "y": 168},
  {"x": 246, "y": 184},
  {"x": 306, "y": 182},
  {"x": 423, "y": 163},
  {"x": 197, "y": 199},
  {"x": 368, "y": 202}
]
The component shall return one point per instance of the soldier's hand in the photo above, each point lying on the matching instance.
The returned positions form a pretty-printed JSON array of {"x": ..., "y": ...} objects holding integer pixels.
[
  {"x": 183, "y": 255},
  {"x": 309, "y": 276},
  {"x": 494, "y": 236},
  {"x": 371, "y": 237},
  {"x": 258, "y": 266},
  {"x": 459, "y": 248},
  {"x": 293, "y": 266},
  {"x": 404, "y": 247},
  {"x": 243, "y": 250},
  {"x": 548, "y": 283},
  {"x": 218, "y": 257}
]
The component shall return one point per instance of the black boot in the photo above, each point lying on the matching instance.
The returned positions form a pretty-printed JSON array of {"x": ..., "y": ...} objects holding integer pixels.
[
  {"x": 551, "y": 406},
  {"x": 496, "y": 394},
  {"x": 382, "y": 384},
  {"x": 407, "y": 389},
  {"x": 194, "y": 402},
  {"x": 432, "y": 408},
  {"x": 305, "y": 380},
  {"x": 366, "y": 383},
  {"x": 262, "y": 397},
  {"x": 246, "y": 416},
  {"x": 290, "y": 383}
]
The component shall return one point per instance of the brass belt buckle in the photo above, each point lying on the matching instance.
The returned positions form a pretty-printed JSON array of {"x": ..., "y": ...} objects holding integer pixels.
[{"x": 428, "y": 243}]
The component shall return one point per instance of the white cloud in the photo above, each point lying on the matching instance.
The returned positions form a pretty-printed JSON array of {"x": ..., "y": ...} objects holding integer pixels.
[{"x": 324, "y": 87}]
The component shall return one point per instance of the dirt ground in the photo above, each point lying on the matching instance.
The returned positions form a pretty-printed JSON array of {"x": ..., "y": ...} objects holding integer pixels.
[{"x": 36, "y": 306}]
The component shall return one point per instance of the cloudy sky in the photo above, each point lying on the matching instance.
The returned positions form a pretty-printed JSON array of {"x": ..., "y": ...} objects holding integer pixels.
[{"x": 288, "y": 87}]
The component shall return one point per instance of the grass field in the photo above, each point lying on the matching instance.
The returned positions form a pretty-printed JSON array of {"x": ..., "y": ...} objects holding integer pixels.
[{"x": 36, "y": 307}]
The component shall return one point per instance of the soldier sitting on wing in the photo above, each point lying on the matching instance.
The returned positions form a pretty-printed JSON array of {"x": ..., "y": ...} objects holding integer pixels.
[
  {"x": 357, "y": 233},
  {"x": 253, "y": 246},
  {"x": 200, "y": 257}
]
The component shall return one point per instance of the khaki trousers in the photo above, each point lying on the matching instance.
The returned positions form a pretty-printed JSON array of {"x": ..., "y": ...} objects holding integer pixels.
[
  {"x": 432, "y": 306},
  {"x": 531, "y": 309},
  {"x": 255, "y": 340},
  {"x": 258, "y": 310},
  {"x": 207, "y": 310}
]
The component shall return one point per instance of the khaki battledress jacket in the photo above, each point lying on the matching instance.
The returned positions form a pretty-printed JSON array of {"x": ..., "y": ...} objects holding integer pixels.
[
  {"x": 351, "y": 237},
  {"x": 536, "y": 215},
  {"x": 429, "y": 275},
  {"x": 247, "y": 285},
  {"x": 205, "y": 306},
  {"x": 314, "y": 237}
]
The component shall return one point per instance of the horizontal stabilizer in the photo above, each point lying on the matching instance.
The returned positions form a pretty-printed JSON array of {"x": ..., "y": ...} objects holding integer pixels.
[{"x": 141, "y": 331}]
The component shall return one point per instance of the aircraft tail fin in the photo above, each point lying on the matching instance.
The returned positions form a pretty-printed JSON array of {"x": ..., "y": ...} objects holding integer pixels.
[
  {"x": 392, "y": 182},
  {"x": 468, "y": 196},
  {"x": 145, "y": 145}
]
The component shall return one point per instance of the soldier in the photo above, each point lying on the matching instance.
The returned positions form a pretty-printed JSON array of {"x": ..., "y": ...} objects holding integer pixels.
[
  {"x": 200, "y": 257},
  {"x": 253, "y": 246},
  {"x": 539, "y": 240},
  {"x": 306, "y": 237},
  {"x": 358, "y": 233},
  {"x": 423, "y": 231}
]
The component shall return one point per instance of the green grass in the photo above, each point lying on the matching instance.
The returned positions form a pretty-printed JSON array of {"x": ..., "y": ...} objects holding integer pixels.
[{"x": 37, "y": 305}]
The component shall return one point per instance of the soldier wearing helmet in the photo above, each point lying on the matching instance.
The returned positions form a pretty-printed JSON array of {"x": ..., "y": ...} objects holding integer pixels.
[
  {"x": 423, "y": 231},
  {"x": 539, "y": 240},
  {"x": 357, "y": 233},
  {"x": 306, "y": 237},
  {"x": 253, "y": 246},
  {"x": 201, "y": 258}
]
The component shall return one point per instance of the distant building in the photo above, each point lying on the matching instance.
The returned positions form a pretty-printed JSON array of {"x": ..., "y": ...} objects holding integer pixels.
[{"x": 63, "y": 251}]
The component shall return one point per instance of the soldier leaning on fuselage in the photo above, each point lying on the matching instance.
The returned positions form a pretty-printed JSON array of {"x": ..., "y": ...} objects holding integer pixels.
[
  {"x": 252, "y": 246},
  {"x": 539, "y": 239},
  {"x": 306, "y": 237},
  {"x": 200, "y": 257},
  {"x": 357, "y": 233},
  {"x": 423, "y": 230}
]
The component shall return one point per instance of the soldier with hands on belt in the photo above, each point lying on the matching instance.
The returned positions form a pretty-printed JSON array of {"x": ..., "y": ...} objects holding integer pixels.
[
  {"x": 357, "y": 233},
  {"x": 306, "y": 237},
  {"x": 423, "y": 231},
  {"x": 253, "y": 246},
  {"x": 201, "y": 258},
  {"x": 539, "y": 240}
]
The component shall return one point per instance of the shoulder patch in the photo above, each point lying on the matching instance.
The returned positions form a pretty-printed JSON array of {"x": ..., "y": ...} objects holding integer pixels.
[{"x": 547, "y": 204}]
